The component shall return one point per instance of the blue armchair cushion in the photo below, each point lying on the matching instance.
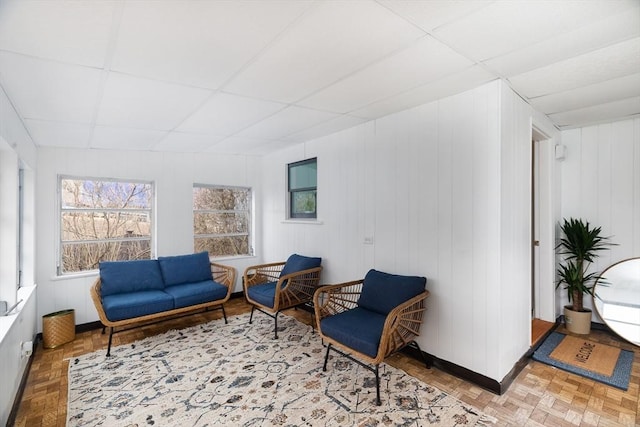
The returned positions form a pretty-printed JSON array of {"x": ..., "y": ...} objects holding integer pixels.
[
  {"x": 382, "y": 292},
  {"x": 264, "y": 293},
  {"x": 188, "y": 294},
  {"x": 358, "y": 329},
  {"x": 299, "y": 263},
  {"x": 135, "y": 304},
  {"x": 190, "y": 268},
  {"x": 129, "y": 276}
]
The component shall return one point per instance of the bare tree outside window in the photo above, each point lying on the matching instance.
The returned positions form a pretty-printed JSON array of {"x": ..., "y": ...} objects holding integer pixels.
[
  {"x": 222, "y": 220},
  {"x": 103, "y": 221}
]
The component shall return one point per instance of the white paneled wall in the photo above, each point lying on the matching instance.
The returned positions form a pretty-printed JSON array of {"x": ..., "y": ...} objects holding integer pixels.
[
  {"x": 444, "y": 191},
  {"x": 173, "y": 175},
  {"x": 601, "y": 184}
]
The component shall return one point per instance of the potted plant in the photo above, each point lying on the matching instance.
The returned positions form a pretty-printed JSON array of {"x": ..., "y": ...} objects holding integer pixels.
[{"x": 580, "y": 246}]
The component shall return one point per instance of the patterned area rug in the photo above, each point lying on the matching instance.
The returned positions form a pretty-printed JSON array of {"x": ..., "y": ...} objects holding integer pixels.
[{"x": 238, "y": 375}]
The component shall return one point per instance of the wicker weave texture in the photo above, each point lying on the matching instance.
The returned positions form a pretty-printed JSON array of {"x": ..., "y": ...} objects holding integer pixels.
[{"x": 58, "y": 328}]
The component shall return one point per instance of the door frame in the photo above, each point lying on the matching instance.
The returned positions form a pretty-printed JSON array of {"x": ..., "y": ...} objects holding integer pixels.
[{"x": 544, "y": 292}]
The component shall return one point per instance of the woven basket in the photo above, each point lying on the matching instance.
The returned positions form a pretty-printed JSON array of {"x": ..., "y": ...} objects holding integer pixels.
[{"x": 58, "y": 328}]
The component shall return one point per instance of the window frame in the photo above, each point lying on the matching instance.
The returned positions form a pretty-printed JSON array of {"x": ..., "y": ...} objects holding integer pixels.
[
  {"x": 291, "y": 214},
  {"x": 249, "y": 217},
  {"x": 60, "y": 210}
]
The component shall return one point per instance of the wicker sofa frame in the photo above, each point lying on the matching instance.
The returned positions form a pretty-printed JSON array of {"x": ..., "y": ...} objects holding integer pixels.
[
  {"x": 222, "y": 274},
  {"x": 292, "y": 290},
  {"x": 401, "y": 326}
]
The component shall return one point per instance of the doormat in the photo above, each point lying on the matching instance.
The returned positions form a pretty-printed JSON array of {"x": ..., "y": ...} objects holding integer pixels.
[{"x": 600, "y": 362}]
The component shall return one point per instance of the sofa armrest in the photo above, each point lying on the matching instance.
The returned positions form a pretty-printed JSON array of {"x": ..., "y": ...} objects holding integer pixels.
[
  {"x": 96, "y": 296},
  {"x": 223, "y": 274}
]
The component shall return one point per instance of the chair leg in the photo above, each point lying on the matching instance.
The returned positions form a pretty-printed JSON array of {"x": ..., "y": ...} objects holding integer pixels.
[
  {"x": 326, "y": 358},
  {"x": 427, "y": 361},
  {"x": 275, "y": 327},
  {"x": 253, "y": 307},
  {"x": 109, "y": 346},
  {"x": 378, "y": 401},
  {"x": 224, "y": 314}
]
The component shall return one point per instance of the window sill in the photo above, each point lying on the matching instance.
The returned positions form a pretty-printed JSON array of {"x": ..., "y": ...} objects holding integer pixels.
[{"x": 303, "y": 221}]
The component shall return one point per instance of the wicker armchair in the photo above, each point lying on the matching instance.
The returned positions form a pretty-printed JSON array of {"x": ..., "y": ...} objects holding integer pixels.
[
  {"x": 367, "y": 320},
  {"x": 271, "y": 288}
]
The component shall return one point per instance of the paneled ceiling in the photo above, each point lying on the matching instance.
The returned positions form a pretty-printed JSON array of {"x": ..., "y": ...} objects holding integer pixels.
[{"x": 255, "y": 76}]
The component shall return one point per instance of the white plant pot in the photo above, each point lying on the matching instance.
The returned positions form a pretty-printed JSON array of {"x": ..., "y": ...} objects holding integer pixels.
[{"x": 577, "y": 322}]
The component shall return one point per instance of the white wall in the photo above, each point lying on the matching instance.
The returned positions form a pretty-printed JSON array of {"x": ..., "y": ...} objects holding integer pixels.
[
  {"x": 444, "y": 190},
  {"x": 173, "y": 174},
  {"x": 601, "y": 184},
  {"x": 16, "y": 151}
]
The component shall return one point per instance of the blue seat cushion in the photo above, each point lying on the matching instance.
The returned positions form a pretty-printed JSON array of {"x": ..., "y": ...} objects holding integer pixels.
[
  {"x": 188, "y": 294},
  {"x": 135, "y": 304},
  {"x": 130, "y": 276},
  {"x": 264, "y": 293},
  {"x": 382, "y": 292},
  {"x": 299, "y": 263},
  {"x": 190, "y": 268},
  {"x": 358, "y": 328}
]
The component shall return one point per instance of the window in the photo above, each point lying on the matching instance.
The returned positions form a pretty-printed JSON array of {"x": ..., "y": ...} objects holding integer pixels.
[
  {"x": 222, "y": 220},
  {"x": 302, "y": 178},
  {"x": 103, "y": 220}
]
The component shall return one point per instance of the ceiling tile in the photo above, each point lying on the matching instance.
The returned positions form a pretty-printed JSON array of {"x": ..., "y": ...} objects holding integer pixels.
[
  {"x": 423, "y": 62},
  {"x": 331, "y": 41},
  {"x": 50, "y": 90},
  {"x": 599, "y": 93},
  {"x": 504, "y": 26},
  {"x": 449, "y": 85},
  {"x": 431, "y": 14},
  {"x": 125, "y": 139},
  {"x": 76, "y": 31},
  {"x": 612, "y": 62},
  {"x": 133, "y": 102},
  {"x": 237, "y": 145},
  {"x": 201, "y": 43},
  {"x": 186, "y": 142},
  {"x": 225, "y": 114},
  {"x": 325, "y": 128},
  {"x": 589, "y": 37},
  {"x": 290, "y": 120},
  {"x": 58, "y": 134},
  {"x": 598, "y": 113}
]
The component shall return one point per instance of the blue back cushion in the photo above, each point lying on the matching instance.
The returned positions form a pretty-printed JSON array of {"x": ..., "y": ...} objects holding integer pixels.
[
  {"x": 382, "y": 292},
  {"x": 130, "y": 276},
  {"x": 190, "y": 268},
  {"x": 299, "y": 263}
]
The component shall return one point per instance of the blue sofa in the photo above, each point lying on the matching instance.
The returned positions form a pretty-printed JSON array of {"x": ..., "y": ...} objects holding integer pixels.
[{"x": 128, "y": 292}]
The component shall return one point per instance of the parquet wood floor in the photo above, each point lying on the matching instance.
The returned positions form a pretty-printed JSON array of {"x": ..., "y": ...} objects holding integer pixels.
[{"x": 540, "y": 396}]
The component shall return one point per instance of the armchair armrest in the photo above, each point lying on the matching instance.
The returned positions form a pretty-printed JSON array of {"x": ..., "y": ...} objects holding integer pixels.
[
  {"x": 297, "y": 288},
  {"x": 262, "y": 273},
  {"x": 402, "y": 325},
  {"x": 333, "y": 299}
]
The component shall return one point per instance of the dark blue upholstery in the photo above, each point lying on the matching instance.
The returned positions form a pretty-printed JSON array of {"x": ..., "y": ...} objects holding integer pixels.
[
  {"x": 187, "y": 294},
  {"x": 264, "y": 293},
  {"x": 358, "y": 328},
  {"x": 190, "y": 268},
  {"x": 299, "y": 263},
  {"x": 134, "y": 304},
  {"x": 382, "y": 292},
  {"x": 130, "y": 276}
]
